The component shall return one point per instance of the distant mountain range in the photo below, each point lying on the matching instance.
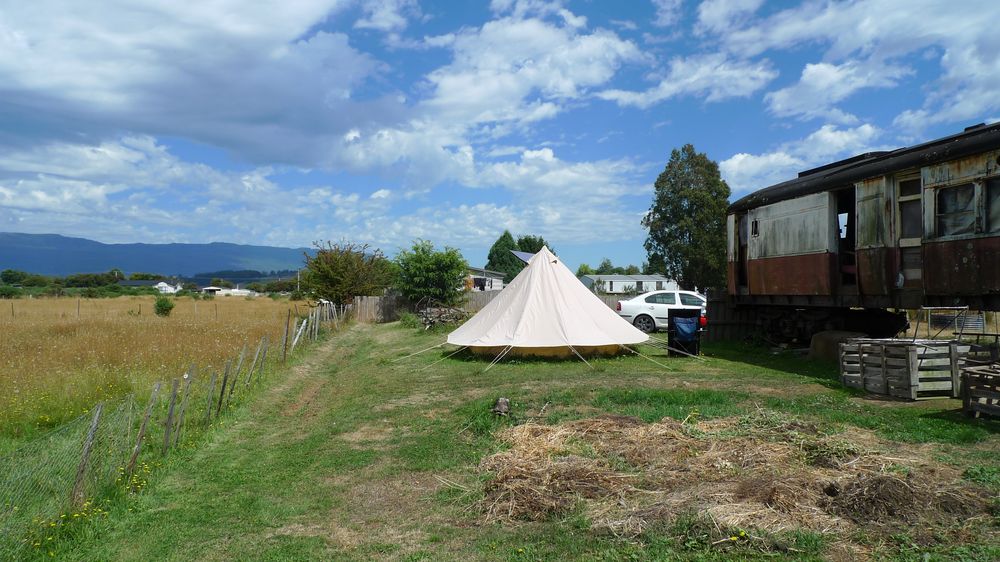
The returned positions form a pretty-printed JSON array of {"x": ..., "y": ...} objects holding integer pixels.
[{"x": 52, "y": 254}]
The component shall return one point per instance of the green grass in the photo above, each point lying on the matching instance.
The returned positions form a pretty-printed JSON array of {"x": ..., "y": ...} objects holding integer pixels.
[{"x": 353, "y": 455}]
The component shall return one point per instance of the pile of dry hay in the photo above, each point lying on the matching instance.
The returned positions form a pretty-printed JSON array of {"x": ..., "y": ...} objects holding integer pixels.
[{"x": 764, "y": 471}]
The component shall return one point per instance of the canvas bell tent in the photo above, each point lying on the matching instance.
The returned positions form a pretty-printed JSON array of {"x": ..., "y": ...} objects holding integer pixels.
[{"x": 545, "y": 311}]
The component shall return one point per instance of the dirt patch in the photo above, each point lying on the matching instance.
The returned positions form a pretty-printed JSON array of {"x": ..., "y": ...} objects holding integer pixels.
[
  {"x": 306, "y": 397},
  {"x": 765, "y": 471},
  {"x": 340, "y": 536},
  {"x": 368, "y": 434}
]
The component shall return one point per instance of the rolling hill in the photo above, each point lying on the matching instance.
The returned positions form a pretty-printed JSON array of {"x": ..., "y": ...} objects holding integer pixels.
[{"x": 53, "y": 254}]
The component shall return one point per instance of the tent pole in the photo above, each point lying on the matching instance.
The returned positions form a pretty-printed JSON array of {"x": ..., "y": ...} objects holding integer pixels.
[
  {"x": 573, "y": 349},
  {"x": 650, "y": 359},
  {"x": 499, "y": 357},
  {"x": 419, "y": 352},
  {"x": 442, "y": 359}
]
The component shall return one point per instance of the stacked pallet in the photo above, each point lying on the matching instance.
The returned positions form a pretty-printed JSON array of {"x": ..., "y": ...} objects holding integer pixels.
[
  {"x": 981, "y": 390},
  {"x": 910, "y": 369}
]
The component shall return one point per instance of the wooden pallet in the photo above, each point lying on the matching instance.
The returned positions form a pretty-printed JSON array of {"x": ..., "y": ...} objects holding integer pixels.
[
  {"x": 981, "y": 390},
  {"x": 915, "y": 370}
]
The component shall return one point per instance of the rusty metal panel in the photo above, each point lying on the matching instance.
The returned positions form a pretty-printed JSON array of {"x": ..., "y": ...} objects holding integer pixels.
[
  {"x": 797, "y": 226},
  {"x": 875, "y": 270},
  {"x": 962, "y": 267},
  {"x": 807, "y": 274},
  {"x": 874, "y": 206},
  {"x": 731, "y": 273},
  {"x": 961, "y": 170}
]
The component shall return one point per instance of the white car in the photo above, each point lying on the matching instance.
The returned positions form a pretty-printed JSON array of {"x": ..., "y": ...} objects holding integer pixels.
[{"x": 651, "y": 311}]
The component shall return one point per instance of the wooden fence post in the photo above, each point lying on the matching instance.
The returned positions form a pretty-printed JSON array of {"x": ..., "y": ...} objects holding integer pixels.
[
  {"x": 180, "y": 417},
  {"x": 211, "y": 395},
  {"x": 284, "y": 340},
  {"x": 222, "y": 394},
  {"x": 142, "y": 433},
  {"x": 88, "y": 445},
  {"x": 169, "y": 423},
  {"x": 253, "y": 365},
  {"x": 236, "y": 374},
  {"x": 263, "y": 358},
  {"x": 298, "y": 334}
]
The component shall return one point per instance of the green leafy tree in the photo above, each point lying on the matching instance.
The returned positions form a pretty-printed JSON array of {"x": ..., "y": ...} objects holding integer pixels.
[
  {"x": 687, "y": 220},
  {"x": 423, "y": 272},
  {"x": 141, "y": 276},
  {"x": 8, "y": 292},
  {"x": 12, "y": 276},
  {"x": 500, "y": 259},
  {"x": 219, "y": 282},
  {"x": 584, "y": 269},
  {"x": 607, "y": 268},
  {"x": 163, "y": 306},
  {"x": 632, "y": 270},
  {"x": 531, "y": 243},
  {"x": 339, "y": 272}
]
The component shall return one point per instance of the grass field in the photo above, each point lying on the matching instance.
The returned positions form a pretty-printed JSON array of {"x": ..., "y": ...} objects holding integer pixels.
[
  {"x": 350, "y": 455},
  {"x": 59, "y": 357}
]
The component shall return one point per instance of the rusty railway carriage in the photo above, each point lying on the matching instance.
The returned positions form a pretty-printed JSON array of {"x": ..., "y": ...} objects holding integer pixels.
[{"x": 840, "y": 244}]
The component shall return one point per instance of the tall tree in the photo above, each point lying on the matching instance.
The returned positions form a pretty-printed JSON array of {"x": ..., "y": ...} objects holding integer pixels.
[
  {"x": 531, "y": 243},
  {"x": 500, "y": 259},
  {"x": 687, "y": 220},
  {"x": 339, "y": 272},
  {"x": 426, "y": 273}
]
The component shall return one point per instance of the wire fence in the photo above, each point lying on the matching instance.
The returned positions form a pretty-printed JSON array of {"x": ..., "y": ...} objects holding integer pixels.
[{"x": 71, "y": 474}]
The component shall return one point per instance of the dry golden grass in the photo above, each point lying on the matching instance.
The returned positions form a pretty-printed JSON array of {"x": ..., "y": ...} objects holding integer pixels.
[{"x": 56, "y": 362}]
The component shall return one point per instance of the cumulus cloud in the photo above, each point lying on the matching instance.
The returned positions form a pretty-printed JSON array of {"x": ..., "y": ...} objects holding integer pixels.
[
  {"x": 823, "y": 85},
  {"x": 715, "y": 76},
  {"x": 720, "y": 15},
  {"x": 387, "y": 15},
  {"x": 668, "y": 12},
  {"x": 747, "y": 172},
  {"x": 862, "y": 38}
]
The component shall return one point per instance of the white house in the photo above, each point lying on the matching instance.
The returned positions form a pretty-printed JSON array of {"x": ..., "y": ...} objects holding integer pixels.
[
  {"x": 624, "y": 284},
  {"x": 167, "y": 289},
  {"x": 484, "y": 280}
]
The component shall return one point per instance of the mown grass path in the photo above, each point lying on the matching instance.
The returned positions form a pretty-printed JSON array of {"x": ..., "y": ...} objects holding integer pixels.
[{"x": 352, "y": 456}]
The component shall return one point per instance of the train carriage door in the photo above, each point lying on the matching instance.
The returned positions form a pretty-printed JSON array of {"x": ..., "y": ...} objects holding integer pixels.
[
  {"x": 846, "y": 237},
  {"x": 909, "y": 231}
]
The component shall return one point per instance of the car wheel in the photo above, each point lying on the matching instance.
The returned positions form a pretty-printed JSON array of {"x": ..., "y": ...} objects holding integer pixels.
[{"x": 645, "y": 324}]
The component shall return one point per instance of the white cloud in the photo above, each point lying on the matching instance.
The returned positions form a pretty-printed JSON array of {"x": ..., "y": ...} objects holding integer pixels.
[
  {"x": 668, "y": 12},
  {"x": 823, "y": 85},
  {"x": 862, "y": 35},
  {"x": 714, "y": 76},
  {"x": 747, "y": 172},
  {"x": 720, "y": 15},
  {"x": 387, "y": 15}
]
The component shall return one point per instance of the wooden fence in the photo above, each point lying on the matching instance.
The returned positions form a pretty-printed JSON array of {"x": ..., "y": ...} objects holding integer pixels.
[
  {"x": 374, "y": 310},
  {"x": 981, "y": 390}
]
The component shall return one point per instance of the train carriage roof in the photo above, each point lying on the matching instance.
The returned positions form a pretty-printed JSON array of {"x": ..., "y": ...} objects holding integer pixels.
[{"x": 843, "y": 173}]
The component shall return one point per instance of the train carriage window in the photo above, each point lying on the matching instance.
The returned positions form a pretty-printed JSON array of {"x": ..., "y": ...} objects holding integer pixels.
[
  {"x": 956, "y": 210},
  {"x": 909, "y": 187},
  {"x": 909, "y": 212},
  {"x": 993, "y": 205}
]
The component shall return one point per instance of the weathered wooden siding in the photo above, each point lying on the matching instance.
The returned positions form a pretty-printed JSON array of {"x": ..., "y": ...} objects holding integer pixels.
[{"x": 804, "y": 225}]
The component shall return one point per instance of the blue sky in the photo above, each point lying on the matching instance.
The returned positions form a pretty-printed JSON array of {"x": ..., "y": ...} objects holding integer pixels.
[{"x": 382, "y": 121}]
